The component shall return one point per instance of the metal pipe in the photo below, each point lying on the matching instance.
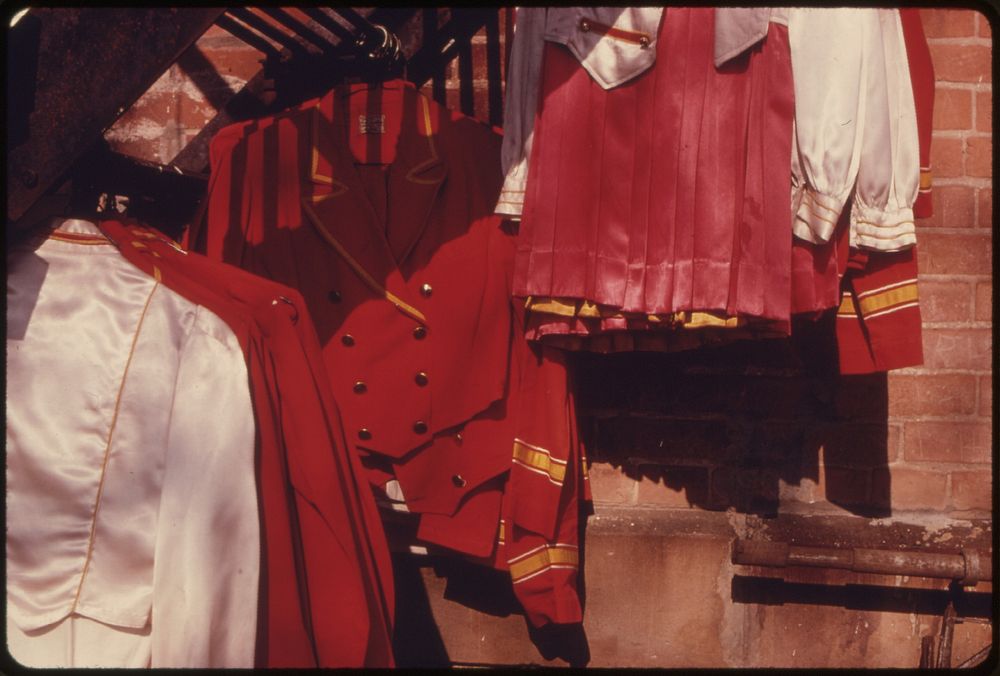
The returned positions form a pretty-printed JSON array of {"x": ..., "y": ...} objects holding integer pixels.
[
  {"x": 298, "y": 27},
  {"x": 363, "y": 25},
  {"x": 965, "y": 567},
  {"x": 240, "y": 31},
  {"x": 263, "y": 26},
  {"x": 329, "y": 23}
]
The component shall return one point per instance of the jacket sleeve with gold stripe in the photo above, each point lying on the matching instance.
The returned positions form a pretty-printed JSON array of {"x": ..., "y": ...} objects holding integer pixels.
[{"x": 878, "y": 321}]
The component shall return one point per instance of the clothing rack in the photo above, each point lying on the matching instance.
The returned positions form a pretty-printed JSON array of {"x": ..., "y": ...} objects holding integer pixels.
[{"x": 59, "y": 115}]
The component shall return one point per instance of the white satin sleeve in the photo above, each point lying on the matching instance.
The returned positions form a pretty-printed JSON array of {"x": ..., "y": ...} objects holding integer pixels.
[
  {"x": 207, "y": 562},
  {"x": 524, "y": 76},
  {"x": 889, "y": 171},
  {"x": 831, "y": 50}
]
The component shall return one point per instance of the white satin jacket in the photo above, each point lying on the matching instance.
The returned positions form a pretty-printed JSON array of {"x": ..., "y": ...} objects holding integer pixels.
[{"x": 131, "y": 497}]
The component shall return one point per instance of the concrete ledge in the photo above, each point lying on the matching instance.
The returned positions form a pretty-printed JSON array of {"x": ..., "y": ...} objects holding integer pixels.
[{"x": 661, "y": 591}]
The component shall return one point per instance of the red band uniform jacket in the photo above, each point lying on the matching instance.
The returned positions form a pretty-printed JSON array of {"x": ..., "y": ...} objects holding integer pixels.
[
  {"x": 376, "y": 204},
  {"x": 326, "y": 594}
]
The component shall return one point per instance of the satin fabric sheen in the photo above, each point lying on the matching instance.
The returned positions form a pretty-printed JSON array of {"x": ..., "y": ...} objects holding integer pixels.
[
  {"x": 130, "y": 441},
  {"x": 669, "y": 192}
]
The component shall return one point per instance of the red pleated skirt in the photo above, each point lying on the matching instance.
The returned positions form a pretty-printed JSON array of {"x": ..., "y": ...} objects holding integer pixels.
[{"x": 669, "y": 193}]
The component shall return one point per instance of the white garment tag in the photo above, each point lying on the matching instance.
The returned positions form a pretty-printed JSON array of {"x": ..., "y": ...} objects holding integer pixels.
[{"x": 371, "y": 124}]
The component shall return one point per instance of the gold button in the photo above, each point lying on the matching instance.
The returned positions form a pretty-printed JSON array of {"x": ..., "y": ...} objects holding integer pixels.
[
  {"x": 584, "y": 25},
  {"x": 420, "y": 333},
  {"x": 426, "y": 290},
  {"x": 360, "y": 387},
  {"x": 420, "y": 427},
  {"x": 643, "y": 42},
  {"x": 458, "y": 437},
  {"x": 334, "y": 296},
  {"x": 364, "y": 434},
  {"x": 347, "y": 339},
  {"x": 421, "y": 379},
  {"x": 458, "y": 481}
]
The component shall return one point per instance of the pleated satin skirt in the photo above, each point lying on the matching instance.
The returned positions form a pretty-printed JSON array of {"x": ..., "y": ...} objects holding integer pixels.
[{"x": 669, "y": 194}]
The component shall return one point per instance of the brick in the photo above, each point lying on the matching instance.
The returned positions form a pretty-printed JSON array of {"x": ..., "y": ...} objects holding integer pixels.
[
  {"x": 861, "y": 397},
  {"x": 957, "y": 349},
  {"x": 673, "y": 486},
  {"x": 984, "y": 301},
  {"x": 947, "y": 157},
  {"x": 943, "y": 254},
  {"x": 952, "y": 108},
  {"x": 945, "y": 301},
  {"x": 805, "y": 491},
  {"x": 774, "y": 440},
  {"x": 909, "y": 488},
  {"x": 151, "y": 108},
  {"x": 880, "y": 490},
  {"x": 948, "y": 23},
  {"x": 954, "y": 207},
  {"x": 856, "y": 445},
  {"x": 240, "y": 63},
  {"x": 984, "y": 111},
  {"x": 701, "y": 394},
  {"x": 961, "y": 63},
  {"x": 612, "y": 485},
  {"x": 972, "y": 490},
  {"x": 191, "y": 114},
  {"x": 979, "y": 156},
  {"x": 932, "y": 394},
  {"x": 984, "y": 197},
  {"x": 894, "y": 442},
  {"x": 986, "y": 396},
  {"x": 947, "y": 441},
  {"x": 985, "y": 30},
  {"x": 667, "y": 441},
  {"x": 845, "y": 486},
  {"x": 747, "y": 489}
]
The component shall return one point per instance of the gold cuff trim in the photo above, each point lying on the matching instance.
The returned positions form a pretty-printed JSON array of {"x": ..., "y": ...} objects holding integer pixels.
[
  {"x": 581, "y": 307},
  {"x": 926, "y": 178},
  {"x": 543, "y": 558},
  {"x": 846, "y": 308},
  {"x": 540, "y": 461},
  {"x": 880, "y": 301}
]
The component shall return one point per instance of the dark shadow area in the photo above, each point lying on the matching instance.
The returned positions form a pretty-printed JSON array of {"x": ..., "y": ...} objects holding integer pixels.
[
  {"x": 730, "y": 424},
  {"x": 416, "y": 640},
  {"x": 876, "y": 598},
  {"x": 567, "y": 642}
]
